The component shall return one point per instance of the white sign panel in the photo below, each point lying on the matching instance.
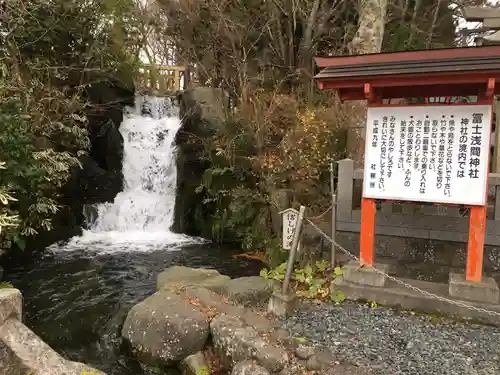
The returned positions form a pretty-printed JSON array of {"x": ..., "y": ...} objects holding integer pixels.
[
  {"x": 289, "y": 223},
  {"x": 428, "y": 153}
]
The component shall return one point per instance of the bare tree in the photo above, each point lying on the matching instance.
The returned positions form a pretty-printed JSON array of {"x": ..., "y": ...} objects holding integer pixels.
[
  {"x": 371, "y": 25},
  {"x": 246, "y": 47}
]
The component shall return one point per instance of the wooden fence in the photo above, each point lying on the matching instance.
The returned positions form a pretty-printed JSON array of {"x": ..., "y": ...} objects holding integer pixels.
[
  {"x": 412, "y": 220},
  {"x": 162, "y": 80}
]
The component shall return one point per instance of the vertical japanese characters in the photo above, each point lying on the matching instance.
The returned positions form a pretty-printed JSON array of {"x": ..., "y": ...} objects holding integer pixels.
[
  {"x": 428, "y": 153},
  {"x": 374, "y": 145},
  {"x": 289, "y": 222},
  {"x": 449, "y": 155},
  {"x": 475, "y": 145},
  {"x": 425, "y": 152},
  {"x": 383, "y": 155}
]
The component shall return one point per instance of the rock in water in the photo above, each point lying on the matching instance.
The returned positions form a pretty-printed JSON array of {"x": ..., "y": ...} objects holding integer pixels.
[
  {"x": 165, "y": 328},
  {"x": 248, "y": 368},
  {"x": 178, "y": 276},
  {"x": 250, "y": 290}
]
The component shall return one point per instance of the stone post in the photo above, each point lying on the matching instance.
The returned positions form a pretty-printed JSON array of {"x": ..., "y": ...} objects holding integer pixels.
[{"x": 345, "y": 185}]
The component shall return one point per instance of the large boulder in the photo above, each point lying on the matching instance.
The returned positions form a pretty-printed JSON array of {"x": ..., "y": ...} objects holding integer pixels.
[
  {"x": 250, "y": 290},
  {"x": 235, "y": 341},
  {"x": 165, "y": 328},
  {"x": 176, "y": 277}
]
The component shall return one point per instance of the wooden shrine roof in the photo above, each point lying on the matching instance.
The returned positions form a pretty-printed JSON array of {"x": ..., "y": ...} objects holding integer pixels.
[{"x": 454, "y": 71}]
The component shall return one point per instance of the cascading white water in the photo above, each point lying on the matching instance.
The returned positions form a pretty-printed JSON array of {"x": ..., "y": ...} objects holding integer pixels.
[{"x": 141, "y": 215}]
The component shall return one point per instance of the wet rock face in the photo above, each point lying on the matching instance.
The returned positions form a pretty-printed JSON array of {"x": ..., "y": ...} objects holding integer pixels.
[
  {"x": 165, "y": 328},
  {"x": 203, "y": 110}
]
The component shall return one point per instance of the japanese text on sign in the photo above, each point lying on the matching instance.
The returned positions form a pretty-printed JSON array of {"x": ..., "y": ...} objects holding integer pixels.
[
  {"x": 428, "y": 153},
  {"x": 289, "y": 225}
]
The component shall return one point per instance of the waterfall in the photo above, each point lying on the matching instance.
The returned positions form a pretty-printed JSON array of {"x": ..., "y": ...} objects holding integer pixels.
[{"x": 141, "y": 215}]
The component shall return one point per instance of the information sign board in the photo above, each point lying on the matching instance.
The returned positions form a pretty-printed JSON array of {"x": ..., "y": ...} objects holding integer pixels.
[{"x": 428, "y": 153}]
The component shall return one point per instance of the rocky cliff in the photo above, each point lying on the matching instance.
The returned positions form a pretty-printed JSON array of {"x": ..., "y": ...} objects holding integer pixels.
[{"x": 202, "y": 110}]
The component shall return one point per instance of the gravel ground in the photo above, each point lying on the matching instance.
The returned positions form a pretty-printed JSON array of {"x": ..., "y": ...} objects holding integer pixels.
[{"x": 390, "y": 342}]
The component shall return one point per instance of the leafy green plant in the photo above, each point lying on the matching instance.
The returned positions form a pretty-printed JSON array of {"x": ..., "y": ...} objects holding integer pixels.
[
  {"x": 277, "y": 273},
  {"x": 7, "y": 220},
  {"x": 203, "y": 371},
  {"x": 310, "y": 281},
  {"x": 301, "y": 340},
  {"x": 55, "y": 61}
]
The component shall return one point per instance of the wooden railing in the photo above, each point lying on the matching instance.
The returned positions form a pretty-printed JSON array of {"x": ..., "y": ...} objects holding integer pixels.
[{"x": 162, "y": 80}]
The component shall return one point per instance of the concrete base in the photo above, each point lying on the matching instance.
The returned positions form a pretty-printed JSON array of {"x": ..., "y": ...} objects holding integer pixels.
[
  {"x": 484, "y": 291},
  {"x": 281, "y": 304},
  {"x": 353, "y": 273},
  {"x": 393, "y": 294}
]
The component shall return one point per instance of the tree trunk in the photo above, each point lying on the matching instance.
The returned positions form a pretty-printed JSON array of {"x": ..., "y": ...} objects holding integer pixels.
[
  {"x": 370, "y": 34},
  {"x": 368, "y": 39}
]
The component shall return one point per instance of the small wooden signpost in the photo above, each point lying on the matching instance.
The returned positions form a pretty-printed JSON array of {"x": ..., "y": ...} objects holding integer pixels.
[
  {"x": 289, "y": 217},
  {"x": 437, "y": 152}
]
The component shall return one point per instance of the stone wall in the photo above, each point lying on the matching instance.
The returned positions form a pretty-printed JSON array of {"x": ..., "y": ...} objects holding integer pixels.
[
  {"x": 421, "y": 259},
  {"x": 22, "y": 351}
]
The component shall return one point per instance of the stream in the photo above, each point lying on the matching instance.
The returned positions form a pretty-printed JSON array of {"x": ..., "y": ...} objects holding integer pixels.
[
  {"x": 78, "y": 293},
  {"x": 77, "y": 301}
]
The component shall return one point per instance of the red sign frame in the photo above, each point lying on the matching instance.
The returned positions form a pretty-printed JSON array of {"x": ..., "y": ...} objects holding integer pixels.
[
  {"x": 477, "y": 223},
  {"x": 374, "y": 78}
]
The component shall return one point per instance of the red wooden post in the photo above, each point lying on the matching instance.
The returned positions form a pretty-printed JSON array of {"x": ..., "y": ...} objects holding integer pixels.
[
  {"x": 368, "y": 209},
  {"x": 477, "y": 222},
  {"x": 475, "y": 246},
  {"x": 367, "y": 231}
]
